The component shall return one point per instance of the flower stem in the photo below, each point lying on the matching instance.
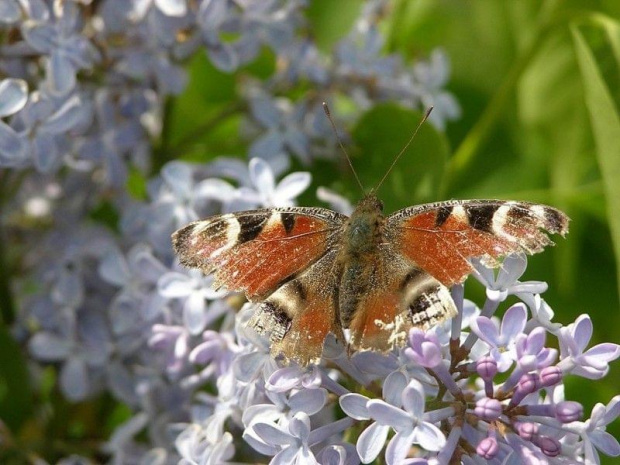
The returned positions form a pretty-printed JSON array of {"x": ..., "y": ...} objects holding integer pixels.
[{"x": 7, "y": 306}]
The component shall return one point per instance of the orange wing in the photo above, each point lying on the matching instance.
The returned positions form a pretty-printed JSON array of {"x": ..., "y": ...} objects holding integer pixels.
[
  {"x": 300, "y": 314},
  {"x": 283, "y": 257},
  {"x": 441, "y": 237},
  {"x": 401, "y": 296},
  {"x": 257, "y": 251}
]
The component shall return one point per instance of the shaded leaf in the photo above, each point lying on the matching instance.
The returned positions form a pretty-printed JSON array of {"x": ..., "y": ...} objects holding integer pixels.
[
  {"x": 380, "y": 135},
  {"x": 15, "y": 390},
  {"x": 606, "y": 128}
]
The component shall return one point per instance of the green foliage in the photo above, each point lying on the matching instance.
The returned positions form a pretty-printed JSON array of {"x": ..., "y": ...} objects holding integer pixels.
[
  {"x": 329, "y": 20},
  {"x": 15, "y": 393},
  {"x": 606, "y": 127}
]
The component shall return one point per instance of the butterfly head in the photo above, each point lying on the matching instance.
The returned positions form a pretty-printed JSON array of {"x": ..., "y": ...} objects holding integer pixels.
[{"x": 370, "y": 203}]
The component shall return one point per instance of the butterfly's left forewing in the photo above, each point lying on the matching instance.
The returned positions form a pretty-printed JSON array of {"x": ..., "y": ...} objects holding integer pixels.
[
  {"x": 280, "y": 257},
  {"x": 255, "y": 251}
]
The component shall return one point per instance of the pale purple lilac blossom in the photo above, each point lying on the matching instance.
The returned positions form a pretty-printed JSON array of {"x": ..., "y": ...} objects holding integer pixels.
[
  {"x": 13, "y": 97},
  {"x": 68, "y": 38}
]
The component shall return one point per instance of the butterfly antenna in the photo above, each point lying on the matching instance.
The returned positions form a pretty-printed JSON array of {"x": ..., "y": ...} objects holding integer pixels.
[
  {"x": 329, "y": 117},
  {"x": 424, "y": 118}
]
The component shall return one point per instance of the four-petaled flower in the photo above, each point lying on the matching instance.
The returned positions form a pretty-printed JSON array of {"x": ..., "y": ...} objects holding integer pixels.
[
  {"x": 592, "y": 363},
  {"x": 195, "y": 290},
  {"x": 264, "y": 191},
  {"x": 593, "y": 433},
  {"x": 291, "y": 443},
  {"x": 502, "y": 340},
  {"x": 408, "y": 422}
]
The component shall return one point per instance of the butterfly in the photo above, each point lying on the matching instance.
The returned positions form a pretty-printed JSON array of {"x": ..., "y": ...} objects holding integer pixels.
[{"x": 315, "y": 271}]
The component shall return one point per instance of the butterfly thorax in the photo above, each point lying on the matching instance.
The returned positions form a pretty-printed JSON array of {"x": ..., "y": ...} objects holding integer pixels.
[
  {"x": 358, "y": 254},
  {"x": 363, "y": 230}
]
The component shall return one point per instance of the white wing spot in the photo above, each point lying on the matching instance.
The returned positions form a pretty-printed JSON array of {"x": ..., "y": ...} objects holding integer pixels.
[
  {"x": 232, "y": 233},
  {"x": 274, "y": 220},
  {"x": 500, "y": 219},
  {"x": 539, "y": 213},
  {"x": 459, "y": 213}
]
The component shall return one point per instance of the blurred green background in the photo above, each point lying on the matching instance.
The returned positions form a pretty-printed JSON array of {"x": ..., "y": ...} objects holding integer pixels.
[{"x": 538, "y": 84}]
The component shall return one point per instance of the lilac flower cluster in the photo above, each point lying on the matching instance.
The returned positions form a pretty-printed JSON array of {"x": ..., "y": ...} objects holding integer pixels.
[
  {"x": 472, "y": 390},
  {"x": 204, "y": 386},
  {"x": 86, "y": 85},
  {"x": 102, "y": 298}
]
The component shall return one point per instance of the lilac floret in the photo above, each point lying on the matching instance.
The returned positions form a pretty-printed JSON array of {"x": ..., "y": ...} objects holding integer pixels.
[
  {"x": 503, "y": 339},
  {"x": 551, "y": 447},
  {"x": 409, "y": 423},
  {"x": 487, "y": 448},
  {"x": 550, "y": 376},
  {"x": 488, "y": 409},
  {"x": 568, "y": 411},
  {"x": 592, "y": 363}
]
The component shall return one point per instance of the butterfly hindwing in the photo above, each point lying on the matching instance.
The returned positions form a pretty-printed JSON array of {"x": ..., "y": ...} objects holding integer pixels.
[
  {"x": 257, "y": 251},
  {"x": 301, "y": 313},
  {"x": 441, "y": 238},
  {"x": 401, "y": 296}
]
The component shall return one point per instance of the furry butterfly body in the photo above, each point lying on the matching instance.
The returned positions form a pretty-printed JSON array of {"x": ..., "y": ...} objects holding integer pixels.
[{"x": 315, "y": 271}]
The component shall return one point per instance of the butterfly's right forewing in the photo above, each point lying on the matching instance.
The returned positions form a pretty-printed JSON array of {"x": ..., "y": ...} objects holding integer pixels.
[{"x": 441, "y": 238}]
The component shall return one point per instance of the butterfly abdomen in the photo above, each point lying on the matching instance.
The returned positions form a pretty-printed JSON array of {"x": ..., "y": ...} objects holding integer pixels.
[{"x": 359, "y": 255}]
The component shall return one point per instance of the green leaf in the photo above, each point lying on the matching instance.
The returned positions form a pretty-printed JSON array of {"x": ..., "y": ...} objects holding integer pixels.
[
  {"x": 612, "y": 28},
  {"x": 136, "y": 184},
  {"x": 207, "y": 89},
  {"x": 331, "y": 21},
  {"x": 380, "y": 135},
  {"x": 605, "y": 124}
]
